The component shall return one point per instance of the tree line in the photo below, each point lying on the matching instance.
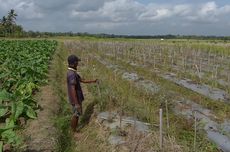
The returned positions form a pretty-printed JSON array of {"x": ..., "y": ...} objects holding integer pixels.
[{"x": 9, "y": 28}]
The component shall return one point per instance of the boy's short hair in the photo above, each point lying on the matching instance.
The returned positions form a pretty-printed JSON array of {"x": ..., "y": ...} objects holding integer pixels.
[{"x": 72, "y": 59}]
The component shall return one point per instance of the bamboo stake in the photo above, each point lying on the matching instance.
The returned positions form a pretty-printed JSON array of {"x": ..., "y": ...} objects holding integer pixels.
[
  {"x": 161, "y": 125},
  {"x": 200, "y": 65},
  {"x": 195, "y": 130},
  {"x": 198, "y": 71},
  {"x": 167, "y": 114}
]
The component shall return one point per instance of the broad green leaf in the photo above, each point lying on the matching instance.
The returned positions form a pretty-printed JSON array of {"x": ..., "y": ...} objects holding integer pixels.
[
  {"x": 4, "y": 95},
  {"x": 11, "y": 137},
  {"x": 3, "y": 111},
  {"x": 1, "y": 146},
  {"x": 9, "y": 123},
  {"x": 4, "y": 75},
  {"x": 30, "y": 113},
  {"x": 30, "y": 86},
  {"x": 8, "y": 134},
  {"x": 13, "y": 108},
  {"x": 4, "y": 129},
  {"x": 19, "y": 109}
]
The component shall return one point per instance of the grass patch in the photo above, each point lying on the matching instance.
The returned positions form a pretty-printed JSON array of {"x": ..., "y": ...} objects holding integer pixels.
[{"x": 62, "y": 120}]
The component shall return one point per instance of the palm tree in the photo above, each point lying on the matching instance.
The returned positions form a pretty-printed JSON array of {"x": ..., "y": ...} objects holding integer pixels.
[
  {"x": 10, "y": 21},
  {"x": 11, "y": 16}
]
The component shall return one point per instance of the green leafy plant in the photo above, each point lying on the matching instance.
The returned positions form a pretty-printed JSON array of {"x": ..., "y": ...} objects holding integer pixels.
[{"x": 24, "y": 65}]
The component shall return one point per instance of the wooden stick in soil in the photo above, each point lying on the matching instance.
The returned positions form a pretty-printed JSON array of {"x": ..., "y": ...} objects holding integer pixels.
[
  {"x": 195, "y": 129},
  {"x": 161, "y": 136},
  {"x": 198, "y": 71},
  {"x": 167, "y": 114}
]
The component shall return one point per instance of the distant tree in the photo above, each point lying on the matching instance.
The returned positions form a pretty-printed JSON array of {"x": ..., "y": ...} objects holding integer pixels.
[
  {"x": 3, "y": 23},
  {"x": 11, "y": 21},
  {"x": 8, "y": 26},
  {"x": 11, "y": 16}
]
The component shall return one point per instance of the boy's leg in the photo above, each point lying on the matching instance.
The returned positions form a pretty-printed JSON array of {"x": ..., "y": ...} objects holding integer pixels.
[
  {"x": 74, "y": 122},
  {"x": 75, "y": 118}
]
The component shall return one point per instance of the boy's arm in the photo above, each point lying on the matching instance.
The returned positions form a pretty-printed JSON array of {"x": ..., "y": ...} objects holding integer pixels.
[{"x": 88, "y": 81}]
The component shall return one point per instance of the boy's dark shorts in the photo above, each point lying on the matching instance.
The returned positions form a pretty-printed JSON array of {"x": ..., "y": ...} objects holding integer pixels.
[{"x": 75, "y": 112}]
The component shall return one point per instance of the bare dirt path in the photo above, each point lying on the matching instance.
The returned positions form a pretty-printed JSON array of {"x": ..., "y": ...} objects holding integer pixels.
[{"x": 40, "y": 134}]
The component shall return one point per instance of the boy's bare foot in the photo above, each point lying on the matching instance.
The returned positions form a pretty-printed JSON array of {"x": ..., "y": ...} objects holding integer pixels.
[{"x": 77, "y": 135}]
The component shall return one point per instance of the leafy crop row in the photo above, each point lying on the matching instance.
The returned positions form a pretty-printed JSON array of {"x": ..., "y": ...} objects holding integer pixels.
[{"x": 23, "y": 66}]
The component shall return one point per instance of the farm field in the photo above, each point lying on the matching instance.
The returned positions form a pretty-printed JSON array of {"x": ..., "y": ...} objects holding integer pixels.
[{"x": 188, "y": 80}]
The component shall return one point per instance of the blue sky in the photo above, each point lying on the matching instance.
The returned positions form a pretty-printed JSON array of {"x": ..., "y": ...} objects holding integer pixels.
[{"x": 128, "y": 17}]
